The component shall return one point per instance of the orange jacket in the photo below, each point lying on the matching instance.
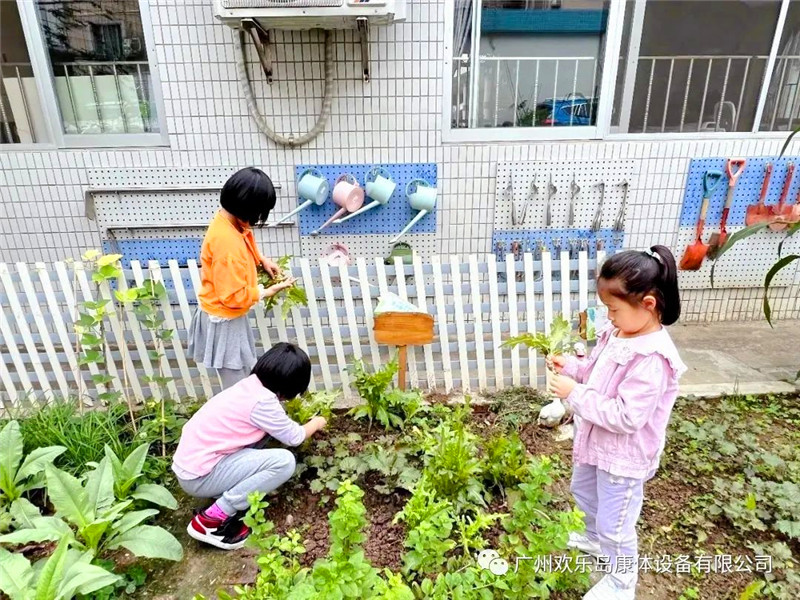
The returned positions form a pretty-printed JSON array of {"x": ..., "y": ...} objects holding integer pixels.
[{"x": 228, "y": 260}]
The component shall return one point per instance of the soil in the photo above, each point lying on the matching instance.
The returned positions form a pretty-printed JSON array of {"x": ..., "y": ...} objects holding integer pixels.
[{"x": 667, "y": 497}]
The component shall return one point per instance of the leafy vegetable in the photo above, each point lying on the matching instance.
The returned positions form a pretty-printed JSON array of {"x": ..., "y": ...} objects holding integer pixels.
[
  {"x": 558, "y": 341},
  {"x": 16, "y": 475},
  {"x": 292, "y": 296}
]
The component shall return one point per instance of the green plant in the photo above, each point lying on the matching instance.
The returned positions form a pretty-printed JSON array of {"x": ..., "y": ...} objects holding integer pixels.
[
  {"x": 392, "y": 588},
  {"x": 147, "y": 308},
  {"x": 505, "y": 462},
  {"x": 470, "y": 529},
  {"x": 345, "y": 572},
  {"x": 100, "y": 523},
  {"x": 758, "y": 505},
  {"x": 395, "y": 463},
  {"x": 279, "y": 567},
  {"x": 466, "y": 583},
  {"x": 340, "y": 466},
  {"x": 130, "y": 472},
  {"x": 690, "y": 593},
  {"x": 90, "y": 329},
  {"x": 390, "y": 407},
  {"x": 17, "y": 476},
  {"x": 129, "y": 581},
  {"x": 452, "y": 466},
  {"x": 311, "y": 404},
  {"x": 429, "y": 521},
  {"x": 537, "y": 528},
  {"x": 64, "y": 575},
  {"x": 560, "y": 339},
  {"x": 83, "y": 435},
  {"x": 292, "y": 296}
]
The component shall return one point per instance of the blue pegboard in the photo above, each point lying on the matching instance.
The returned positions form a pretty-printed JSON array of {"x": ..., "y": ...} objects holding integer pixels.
[
  {"x": 390, "y": 219},
  {"x": 747, "y": 191},
  {"x": 612, "y": 240},
  {"x": 161, "y": 250}
]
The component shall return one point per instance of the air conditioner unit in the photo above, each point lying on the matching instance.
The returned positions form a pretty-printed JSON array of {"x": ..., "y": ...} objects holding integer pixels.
[{"x": 310, "y": 14}]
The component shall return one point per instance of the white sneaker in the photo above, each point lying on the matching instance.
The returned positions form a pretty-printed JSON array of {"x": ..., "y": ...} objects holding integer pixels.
[
  {"x": 606, "y": 590},
  {"x": 580, "y": 542}
]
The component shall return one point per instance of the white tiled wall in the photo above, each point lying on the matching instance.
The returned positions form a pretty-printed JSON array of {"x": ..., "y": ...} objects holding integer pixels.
[{"x": 394, "y": 118}]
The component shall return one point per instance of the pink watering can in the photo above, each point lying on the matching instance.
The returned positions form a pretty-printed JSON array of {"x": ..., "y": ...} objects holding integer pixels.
[
  {"x": 379, "y": 186},
  {"x": 313, "y": 188},
  {"x": 422, "y": 197},
  {"x": 347, "y": 194}
]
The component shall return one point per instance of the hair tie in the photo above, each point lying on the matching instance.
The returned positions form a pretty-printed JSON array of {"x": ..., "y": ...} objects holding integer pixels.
[{"x": 655, "y": 255}]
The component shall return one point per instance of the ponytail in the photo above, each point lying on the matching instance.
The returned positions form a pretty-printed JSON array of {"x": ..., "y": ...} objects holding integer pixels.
[
  {"x": 668, "y": 285},
  {"x": 651, "y": 272}
]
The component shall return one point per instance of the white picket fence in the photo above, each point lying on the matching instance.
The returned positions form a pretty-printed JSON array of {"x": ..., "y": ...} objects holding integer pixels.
[{"x": 476, "y": 302}]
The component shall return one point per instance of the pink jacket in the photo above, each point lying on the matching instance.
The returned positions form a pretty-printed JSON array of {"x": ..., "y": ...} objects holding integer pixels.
[
  {"x": 625, "y": 394},
  {"x": 236, "y": 418}
]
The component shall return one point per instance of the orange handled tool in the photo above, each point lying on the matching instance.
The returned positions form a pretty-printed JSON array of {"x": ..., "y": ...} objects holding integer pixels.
[{"x": 734, "y": 169}]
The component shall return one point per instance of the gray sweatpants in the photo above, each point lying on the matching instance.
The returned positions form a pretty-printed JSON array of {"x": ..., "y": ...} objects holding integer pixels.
[{"x": 239, "y": 474}]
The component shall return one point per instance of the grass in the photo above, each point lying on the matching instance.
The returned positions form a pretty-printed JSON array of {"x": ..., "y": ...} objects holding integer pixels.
[{"x": 83, "y": 435}]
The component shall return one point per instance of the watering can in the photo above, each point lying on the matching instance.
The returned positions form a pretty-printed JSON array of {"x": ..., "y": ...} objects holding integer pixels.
[
  {"x": 313, "y": 188},
  {"x": 379, "y": 187},
  {"x": 348, "y": 194},
  {"x": 422, "y": 197}
]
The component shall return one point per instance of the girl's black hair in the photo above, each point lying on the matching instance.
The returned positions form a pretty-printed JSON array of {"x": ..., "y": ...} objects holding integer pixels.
[
  {"x": 634, "y": 274},
  {"x": 285, "y": 370},
  {"x": 248, "y": 195}
]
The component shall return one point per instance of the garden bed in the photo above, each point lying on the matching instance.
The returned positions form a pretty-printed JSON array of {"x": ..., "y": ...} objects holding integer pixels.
[
  {"x": 728, "y": 487},
  {"x": 677, "y": 516}
]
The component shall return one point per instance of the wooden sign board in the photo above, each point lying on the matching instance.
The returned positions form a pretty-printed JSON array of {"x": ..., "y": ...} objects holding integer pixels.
[{"x": 403, "y": 329}]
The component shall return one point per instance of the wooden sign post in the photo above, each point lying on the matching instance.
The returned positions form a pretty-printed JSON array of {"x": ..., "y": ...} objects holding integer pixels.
[{"x": 403, "y": 330}]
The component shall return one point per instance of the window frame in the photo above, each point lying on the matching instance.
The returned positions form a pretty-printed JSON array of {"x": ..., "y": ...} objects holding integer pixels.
[
  {"x": 603, "y": 129},
  {"x": 45, "y": 84}
]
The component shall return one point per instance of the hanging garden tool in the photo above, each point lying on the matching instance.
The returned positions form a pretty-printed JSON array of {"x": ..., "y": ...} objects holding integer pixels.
[
  {"x": 777, "y": 221},
  {"x": 574, "y": 189},
  {"x": 734, "y": 168},
  {"x": 696, "y": 252},
  {"x": 533, "y": 193},
  {"x": 379, "y": 186},
  {"x": 313, "y": 188},
  {"x": 551, "y": 191},
  {"x": 348, "y": 194},
  {"x": 598, "y": 213},
  {"x": 791, "y": 213},
  {"x": 509, "y": 197},
  {"x": 760, "y": 213},
  {"x": 422, "y": 197},
  {"x": 619, "y": 222}
]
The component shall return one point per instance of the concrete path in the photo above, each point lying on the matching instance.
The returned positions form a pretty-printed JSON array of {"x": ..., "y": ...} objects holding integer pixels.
[{"x": 742, "y": 357}]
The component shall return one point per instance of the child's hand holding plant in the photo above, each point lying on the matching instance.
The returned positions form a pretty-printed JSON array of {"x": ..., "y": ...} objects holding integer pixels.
[
  {"x": 268, "y": 292},
  {"x": 273, "y": 279}
]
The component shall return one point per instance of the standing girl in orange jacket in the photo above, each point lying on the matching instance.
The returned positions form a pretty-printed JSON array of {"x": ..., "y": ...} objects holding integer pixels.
[{"x": 220, "y": 336}]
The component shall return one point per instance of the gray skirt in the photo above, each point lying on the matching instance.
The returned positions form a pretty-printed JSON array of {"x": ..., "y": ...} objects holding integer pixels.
[{"x": 225, "y": 345}]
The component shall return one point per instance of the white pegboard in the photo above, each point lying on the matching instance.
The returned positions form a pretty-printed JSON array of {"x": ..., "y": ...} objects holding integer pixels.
[
  {"x": 424, "y": 244},
  {"x": 159, "y": 177},
  {"x": 587, "y": 175},
  {"x": 134, "y": 208},
  {"x": 743, "y": 266}
]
